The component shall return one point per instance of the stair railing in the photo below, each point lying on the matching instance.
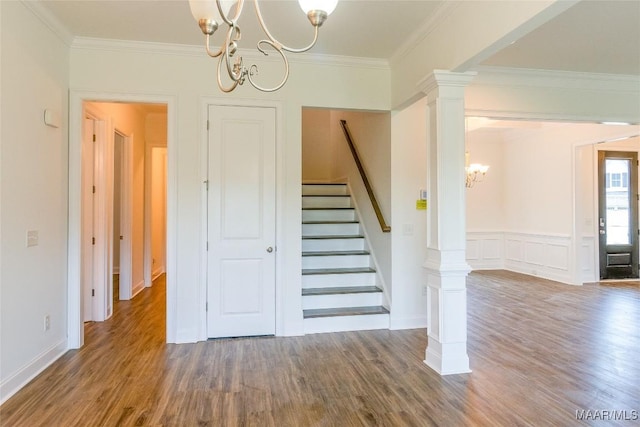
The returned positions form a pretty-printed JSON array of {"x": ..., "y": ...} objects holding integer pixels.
[{"x": 374, "y": 202}]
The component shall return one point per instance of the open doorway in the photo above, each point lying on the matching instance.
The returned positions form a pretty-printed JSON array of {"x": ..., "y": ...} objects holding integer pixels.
[
  {"x": 117, "y": 194},
  {"x": 536, "y": 211}
]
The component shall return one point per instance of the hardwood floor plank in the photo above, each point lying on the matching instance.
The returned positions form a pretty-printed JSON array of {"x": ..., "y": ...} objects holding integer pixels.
[{"x": 539, "y": 351}]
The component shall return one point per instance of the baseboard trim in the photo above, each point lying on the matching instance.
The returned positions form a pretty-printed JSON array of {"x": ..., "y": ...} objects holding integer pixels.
[
  {"x": 137, "y": 289},
  {"x": 157, "y": 273},
  {"x": 17, "y": 381},
  {"x": 396, "y": 324}
]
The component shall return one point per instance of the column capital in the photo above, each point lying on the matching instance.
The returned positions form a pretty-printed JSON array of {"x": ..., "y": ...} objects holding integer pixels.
[{"x": 444, "y": 78}]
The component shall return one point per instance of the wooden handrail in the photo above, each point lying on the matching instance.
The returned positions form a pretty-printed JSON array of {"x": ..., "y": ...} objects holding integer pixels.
[{"x": 376, "y": 207}]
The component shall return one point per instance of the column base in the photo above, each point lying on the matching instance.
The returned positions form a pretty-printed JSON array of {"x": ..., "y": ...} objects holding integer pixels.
[{"x": 447, "y": 359}]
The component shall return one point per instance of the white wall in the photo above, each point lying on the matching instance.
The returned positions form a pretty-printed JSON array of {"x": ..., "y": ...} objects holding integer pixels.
[
  {"x": 319, "y": 163},
  {"x": 409, "y": 225},
  {"x": 98, "y": 69},
  {"x": 156, "y": 135},
  {"x": 371, "y": 134},
  {"x": 158, "y": 166},
  {"x": 35, "y": 72}
]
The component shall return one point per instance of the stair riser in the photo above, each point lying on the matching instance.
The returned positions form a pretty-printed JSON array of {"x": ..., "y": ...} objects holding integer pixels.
[
  {"x": 337, "y": 280},
  {"x": 318, "y": 245},
  {"x": 342, "y": 300},
  {"x": 346, "y": 323},
  {"x": 337, "y": 261},
  {"x": 329, "y": 215},
  {"x": 308, "y": 189},
  {"x": 330, "y": 229},
  {"x": 326, "y": 202}
]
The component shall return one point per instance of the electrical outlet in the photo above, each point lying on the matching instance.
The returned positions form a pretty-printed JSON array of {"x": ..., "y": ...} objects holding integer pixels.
[{"x": 47, "y": 322}]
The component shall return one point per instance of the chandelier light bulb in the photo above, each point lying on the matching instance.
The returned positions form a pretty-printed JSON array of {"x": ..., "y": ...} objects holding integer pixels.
[
  {"x": 326, "y": 6},
  {"x": 208, "y": 9}
]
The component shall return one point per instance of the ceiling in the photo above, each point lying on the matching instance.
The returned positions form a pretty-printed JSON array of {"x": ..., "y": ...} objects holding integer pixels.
[{"x": 592, "y": 36}]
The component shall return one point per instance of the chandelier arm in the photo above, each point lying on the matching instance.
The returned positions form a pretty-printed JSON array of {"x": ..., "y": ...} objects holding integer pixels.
[
  {"x": 235, "y": 76},
  {"x": 254, "y": 67},
  {"x": 220, "y": 85},
  {"x": 208, "y": 47},
  {"x": 226, "y": 19},
  {"x": 275, "y": 41}
]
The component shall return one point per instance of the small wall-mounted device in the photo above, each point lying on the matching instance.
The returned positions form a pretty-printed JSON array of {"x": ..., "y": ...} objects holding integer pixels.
[
  {"x": 422, "y": 195},
  {"x": 51, "y": 118}
]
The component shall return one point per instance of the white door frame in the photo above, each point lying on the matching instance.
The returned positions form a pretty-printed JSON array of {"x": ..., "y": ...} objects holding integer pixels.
[
  {"x": 99, "y": 166},
  {"x": 126, "y": 218},
  {"x": 75, "y": 324},
  {"x": 280, "y": 203}
]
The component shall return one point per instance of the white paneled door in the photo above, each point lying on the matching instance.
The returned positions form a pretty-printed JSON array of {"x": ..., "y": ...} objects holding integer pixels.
[{"x": 241, "y": 221}]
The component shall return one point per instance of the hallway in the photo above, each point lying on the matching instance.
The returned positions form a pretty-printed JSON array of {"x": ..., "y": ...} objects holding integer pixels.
[{"x": 539, "y": 350}]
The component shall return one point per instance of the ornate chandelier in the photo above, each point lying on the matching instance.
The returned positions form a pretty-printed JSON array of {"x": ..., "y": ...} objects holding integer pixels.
[
  {"x": 211, "y": 14},
  {"x": 475, "y": 172}
]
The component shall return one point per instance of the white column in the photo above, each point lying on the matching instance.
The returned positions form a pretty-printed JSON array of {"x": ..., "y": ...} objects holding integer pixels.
[{"x": 446, "y": 229}]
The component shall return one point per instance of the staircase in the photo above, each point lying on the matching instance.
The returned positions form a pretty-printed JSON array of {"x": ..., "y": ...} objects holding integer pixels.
[{"x": 339, "y": 282}]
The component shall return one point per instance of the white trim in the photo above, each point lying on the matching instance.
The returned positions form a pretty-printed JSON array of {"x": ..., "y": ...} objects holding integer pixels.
[
  {"x": 75, "y": 326},
  {"x": 398, "y": 323},
  {"x": 141, "y": 47},
  {"x": 50, "y": 21},
  {"x": 547, "y": 255},
  {"x": 30, "y": 370},
  {"x": 426, "y": 28},
  {"x": 126, "y": 216},
  {"x": 523, "y": 77},
  {"x": 139, "y": 287},
  {"x": 205, "y": 102}
]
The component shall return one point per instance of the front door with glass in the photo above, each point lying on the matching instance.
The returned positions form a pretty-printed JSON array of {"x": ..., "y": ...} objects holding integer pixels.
[{"x": 618, "y": 219}]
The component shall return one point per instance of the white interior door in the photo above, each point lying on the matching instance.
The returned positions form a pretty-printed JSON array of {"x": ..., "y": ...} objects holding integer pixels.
[
  {"x": 241, "y": 221},
  {"x": 87, "y": 221}
]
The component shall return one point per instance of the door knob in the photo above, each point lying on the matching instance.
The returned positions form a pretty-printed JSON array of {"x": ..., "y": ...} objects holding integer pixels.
[
  {"x": 602, "y": 231},
  {"x": 269, "y": 249}
]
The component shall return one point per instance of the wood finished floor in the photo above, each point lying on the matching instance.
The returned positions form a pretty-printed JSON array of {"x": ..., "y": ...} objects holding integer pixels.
[{"x": 539, "y": 351}]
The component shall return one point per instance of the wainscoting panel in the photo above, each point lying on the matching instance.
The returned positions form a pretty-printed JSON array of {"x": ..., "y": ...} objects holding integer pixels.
[
  {"x": 546, "y": 256},
  {"x": 539, "y": 255},
  {"x": 587, "y": 267},
  {"x": 485, "y": 250}
]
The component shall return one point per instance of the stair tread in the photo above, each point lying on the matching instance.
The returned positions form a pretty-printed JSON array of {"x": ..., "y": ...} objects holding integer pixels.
[
  {"x": 335, "y": 253},
  {"x": 351, "y": 221},
  {"x": 307, "y": 271},
  {"x": 344, "y": 311},
  {"x": 326, "y": 195},
  {"x": 326, "y": 209},
  {"x": 341, "y": 290},
  {"x": 324, "y": 183},
  {"x": 334, "y": 236}
]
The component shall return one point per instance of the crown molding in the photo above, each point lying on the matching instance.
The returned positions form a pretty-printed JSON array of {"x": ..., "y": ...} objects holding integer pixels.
[
  {"x": 428, "y": 26},
  {"x": 49, "y": 20},
  {"x": 503, "y": 76},
  {"x": 140, "y": 47}
]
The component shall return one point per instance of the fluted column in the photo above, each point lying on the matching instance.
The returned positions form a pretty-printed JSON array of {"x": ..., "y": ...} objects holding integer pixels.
[{"x": 446, "y": 265}]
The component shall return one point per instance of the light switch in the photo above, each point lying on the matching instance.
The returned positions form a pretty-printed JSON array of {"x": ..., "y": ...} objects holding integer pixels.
[
  {"x": 32, "y": 238},
  {"x": 407, "y": 229}
]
